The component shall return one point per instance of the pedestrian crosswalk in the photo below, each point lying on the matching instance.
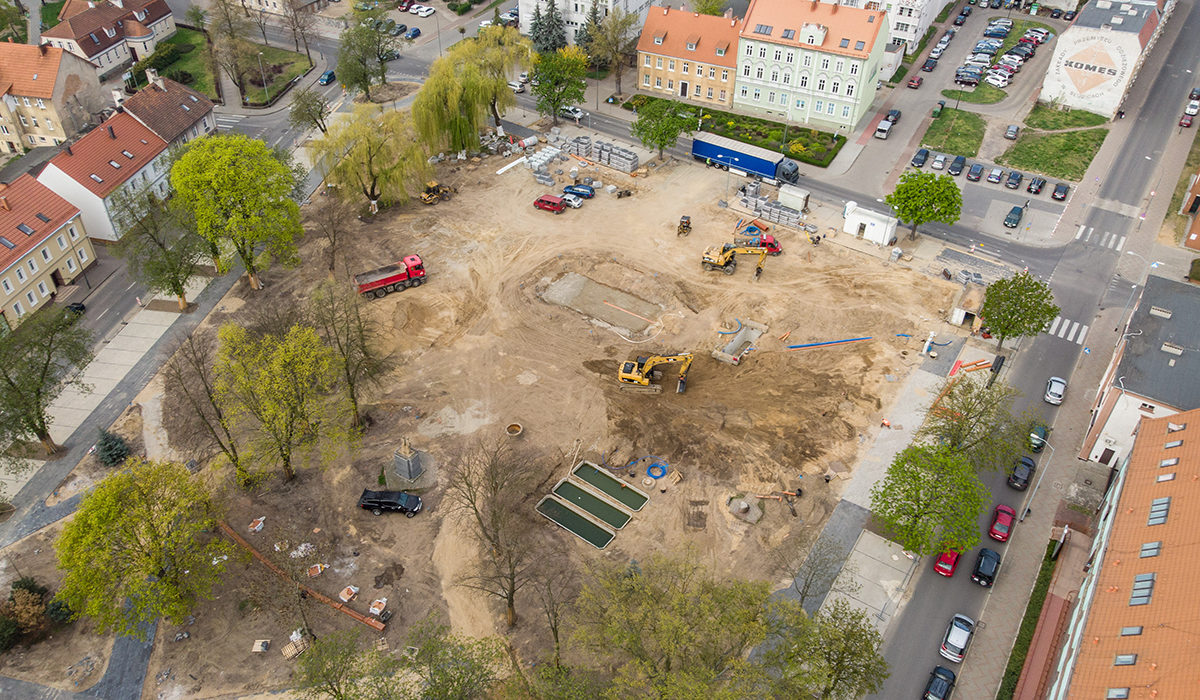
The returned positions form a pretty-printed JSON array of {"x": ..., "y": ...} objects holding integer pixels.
[
  {"x": 1071, "y": 331},
  {"x": 1104, "y": 239}
]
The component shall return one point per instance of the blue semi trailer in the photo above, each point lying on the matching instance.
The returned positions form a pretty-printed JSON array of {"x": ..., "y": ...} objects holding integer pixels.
[{"x": 727, "y": 153}]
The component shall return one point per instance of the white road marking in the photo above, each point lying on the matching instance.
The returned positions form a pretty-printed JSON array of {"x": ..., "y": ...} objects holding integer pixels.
[{"x": 1054, "y": 325}]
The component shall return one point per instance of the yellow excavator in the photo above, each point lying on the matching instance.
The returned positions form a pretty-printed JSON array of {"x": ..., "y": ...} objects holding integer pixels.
[
  {"x": 725, "y": 257},
  {"x": 636, "y": 376},
  {"x": 435, "y": 192}
]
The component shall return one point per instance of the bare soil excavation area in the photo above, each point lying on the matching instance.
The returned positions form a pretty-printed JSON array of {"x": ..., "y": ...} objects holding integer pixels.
[{"x": 490, "y": 340}]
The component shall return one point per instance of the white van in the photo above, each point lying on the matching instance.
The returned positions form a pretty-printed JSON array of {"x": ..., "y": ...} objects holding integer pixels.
[{"x": 884, "y": 128}]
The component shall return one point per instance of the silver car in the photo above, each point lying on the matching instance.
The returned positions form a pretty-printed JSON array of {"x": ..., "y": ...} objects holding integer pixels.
[
  {"x": 1056, "y": 390},
  {"x": 572, "y": 200},
  {"x": 939, "y": 162},
  {"x": 957, "y": 637}
]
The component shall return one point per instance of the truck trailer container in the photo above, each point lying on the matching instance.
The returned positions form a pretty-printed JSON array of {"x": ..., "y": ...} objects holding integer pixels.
[{"x": 728, "y": 153}]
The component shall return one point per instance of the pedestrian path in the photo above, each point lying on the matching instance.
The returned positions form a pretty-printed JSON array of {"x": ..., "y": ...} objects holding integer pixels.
[
  {"x": 1087, "y": 235},
  {"x": 1068, "y": 330}
]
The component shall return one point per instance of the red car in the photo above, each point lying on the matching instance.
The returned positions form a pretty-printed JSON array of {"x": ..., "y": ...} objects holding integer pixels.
[
  {"x": 1002, "y": 523},
  {"x": 403, "y": 5},
  {"x": 1185, "y": 120},
  {"x": 915, "y": 83},
  {"x": 946, "y": 563}
]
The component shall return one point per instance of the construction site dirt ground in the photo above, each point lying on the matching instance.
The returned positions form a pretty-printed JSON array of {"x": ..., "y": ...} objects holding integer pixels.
[{"x": 482, "y": 345}]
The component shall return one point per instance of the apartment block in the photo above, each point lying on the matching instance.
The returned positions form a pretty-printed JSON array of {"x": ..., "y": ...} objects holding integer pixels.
[
  {"x": 43, "y": 246},
  {"x": 575, "y": 12},
  {"x": 810, "y": 62},
  {"x": 688, "y": 56},
  {"x": 113, "y": 33},
  {"x": 48, "y": 96},
  {"x": 174, "y": 112}
]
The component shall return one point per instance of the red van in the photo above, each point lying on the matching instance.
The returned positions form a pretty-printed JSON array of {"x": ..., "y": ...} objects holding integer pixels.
[{"x": 550, "y": 203}]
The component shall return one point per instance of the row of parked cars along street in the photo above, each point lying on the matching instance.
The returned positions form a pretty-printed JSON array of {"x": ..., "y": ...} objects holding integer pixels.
[{"x": 982, "y": 64}]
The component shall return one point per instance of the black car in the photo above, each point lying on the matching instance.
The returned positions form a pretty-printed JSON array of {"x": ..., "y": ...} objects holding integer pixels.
[
  {"x": 399, "y": 501},
  {"x": 930, "y": 64},
  {"x": 1194, "y": 94},
  {"x": 1060, "y": 191},
  {"x": 960, "y": 20},
  {"x": 1025, "y": 51},
  {"x": 1069, "y": 16},
  {"x": 1021, "y": 473},
  {"x": 76, "y": 308},
  {"x": 1014, "y": 180},
  {"x": 921, "y": 156},
  {"x": 987, "y": 565},
  {"x": 968, "y": 80},
  {"x": 893, "y": 115},
  {"x": 940, "y": 685},
  {"x": 956, "y": 167},
  {"x": 966, "y": 11},
  {"x": 975, "y": 172},
  {"x": 1035, "y": 185},
  {"x": 1056, "y": 13},
  {"x": 996, "y": 4}
]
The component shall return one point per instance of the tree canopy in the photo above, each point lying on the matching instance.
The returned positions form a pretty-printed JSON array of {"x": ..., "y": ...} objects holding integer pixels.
[
  {"x": 660, "y": 122},
  {"x": 375, "y": 153},
  {"x": 548, "y": 31},
  {"x": 451, "y": 108},
  {"x": 309, "y": 109},
  {"x": 612, "y": 41},
  {"x": 560, "y": 77},
  {"x": 709, "y": 7},
  {"x": 1018, "y": 306},
  {"x": 237, "y": 192},
  {"x": 140, "y": 548},
  {"x": 930, "y": 499},
  {"x": 921, "y": 197},
  {"x": 976, "y": 421},
  {"x": 160, "y": 243},
  {"x": 500, "y": 51},
  {"x": 363, "y": 54}
]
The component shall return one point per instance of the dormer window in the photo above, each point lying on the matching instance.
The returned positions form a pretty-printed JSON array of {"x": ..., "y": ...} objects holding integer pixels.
[
  {"x": 720, "y": 52},
  {"x": 789, "y": 34},
  {"x": 658, "y": 38},
  {"x": 764, "y": 29},
  {"x": 97, "y": 178},
  {"x": 127, "y": 154},
  {"x": 845, "y": 44},
  {"x": 691, "y": 47},
  {"x": 110, "y": 32},
  {"x": 115, "y": 164},
  {"x": 140, "y": 14},
  {"x": 811, "y": 39}
]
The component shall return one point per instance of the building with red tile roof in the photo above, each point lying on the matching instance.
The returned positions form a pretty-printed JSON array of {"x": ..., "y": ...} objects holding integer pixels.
[
  {"x": 43, "y": 246},
  {"x": 812, "y": 62},
  {"x": 688, "y": 56},
  {"x": 174, "y": 112},
  {"x": 114, "y": 33},
  {"x": 1130, "y": 635},
  {"x": 119, "y": 155},
  {"x": 48, "y": 96}
]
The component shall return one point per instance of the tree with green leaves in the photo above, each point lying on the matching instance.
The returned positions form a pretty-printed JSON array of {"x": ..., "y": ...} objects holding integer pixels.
[
  {"x": 560, "y": 80},
  {"x": 141, "y": 547},
  {"x": 375, "y": 153},
  {"x": 111, "y": 449},
  {"x": 921, "y": 197},
  {"x": 591, "y": 26},
  {"x": 159, "y": 242},
  {"x": 500, "y": 51},
  {"x": 443, "y": 666},
  {"x": 278, "y": 387},
  {"x": 537, "y": 23},
  {"x": 36, "y": 363},
  {"x": 837, "y": 654},
  {"x": 309, "y": 109},
  {"x": 362, "y": 57},
  {"x": 338, "y": 314},
  {"x": 709, "y": 7},
  {"x": 237, "y": 193},
  {"x": 976, "y": 420},
  {"x": 451, "y": 108},
  {"x": 552, "y": 30},
  {"x": 930, "y": 499},
  {"x": 613, "y": 41},
  {"x": 660, "y": 122},
  {"x": 299, "y": 19},
  {"x": 339, "y": 666},
  {"x": 1018, "y": 306},
  {"x": 11, "y": 17}
]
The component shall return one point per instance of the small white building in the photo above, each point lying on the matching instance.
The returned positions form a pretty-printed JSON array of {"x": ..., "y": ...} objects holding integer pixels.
[
  {"x": 118, "y": 155},
  {"x": 575, "y": 13},
  {"x": 868, "y": 225},
  {"x": 1097, "y": 58}
]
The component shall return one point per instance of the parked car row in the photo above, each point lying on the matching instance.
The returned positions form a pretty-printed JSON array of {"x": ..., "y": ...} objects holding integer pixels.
[
  {"x": 954, "y": 165},
  {"x": 572, "y": 196},
  {"x": 983, "y": 65},
  {"x": 1192, "y": 109}
]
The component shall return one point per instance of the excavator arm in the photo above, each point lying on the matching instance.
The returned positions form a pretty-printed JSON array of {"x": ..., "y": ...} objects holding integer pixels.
[{"x": 639, "y": 373}]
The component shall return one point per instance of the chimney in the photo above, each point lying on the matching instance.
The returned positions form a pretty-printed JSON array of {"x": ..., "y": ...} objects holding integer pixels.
[
  {"x": 69, "y": 150},
  {"x": 4, "y": 203},
  {"x": 815, "y": 4},
  {"x": 728, "y": 14},
  {"x": 118, "y": 96},
  {"x": 835, "y": 7},
  {"x": 111, "y": 133},
  {"x": 42, "y": 49}
]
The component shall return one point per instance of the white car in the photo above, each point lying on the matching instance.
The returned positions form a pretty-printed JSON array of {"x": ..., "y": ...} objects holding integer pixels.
[
  {"x": 572, "y": 113},
  {"x": 516, "y": 86},
  {"x": 572, "y": 200},
  {"x": 957, "y": 638},
  {"x": 1056, "y": 390},
  {"x": 997, "y": 80},
  {"x": 425, "y": 12},
  {"x": 414, "y": 9},
  {"x": 939, "y": 162},
  {"x": 485, "y": 24},
  {"x": 936, "y": 52},
  {"x": 1193, "y": 108}
]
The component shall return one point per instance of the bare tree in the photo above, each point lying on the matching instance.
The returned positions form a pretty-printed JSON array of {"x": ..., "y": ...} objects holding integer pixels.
[
  {"x": 298, "y": 19},
  {"x": 337, "y": 311},
  {"x": 814, "y": 563},
  {"x": 190, "y": 379},
  {"x": 489, "y": 485},
  {"x": 331, "y": 221},
  {"x": 556, "y": 586},
  {"x": 225, "y": 21},
  {"x": 259, "y": 18},
  {"x": 231, "y": 56}
]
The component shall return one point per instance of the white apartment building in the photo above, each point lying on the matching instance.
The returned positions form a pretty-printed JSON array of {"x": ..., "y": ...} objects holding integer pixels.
[{"x": 575, "y": 13}]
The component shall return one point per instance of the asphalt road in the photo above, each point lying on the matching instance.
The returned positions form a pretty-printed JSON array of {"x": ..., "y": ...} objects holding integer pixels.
[{"x": 1083, "y": 280}]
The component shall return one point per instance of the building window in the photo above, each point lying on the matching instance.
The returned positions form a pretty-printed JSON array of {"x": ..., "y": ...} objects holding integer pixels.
[
  {"x": 721, "y": 52},
  {"x": 23, "y": 120},
  {"x": 746, "y": 70},
  {"x": 712, "y": 72},
  {"x": 1176, "y": 427},
  {"x": 1159, "y": 508},
  {"x": 658, "y": 62},
  {"x": 1173, "y": 443},
  {"x": 791, "y": 56},
  {"x": 32, "y": 265},
  {"x": 789, "y": 34},
  {"x": 658, "y": 40},
  {"x": 778, "y": 55},
  {"x": 829, "y": 110},
  {"x": 1117, "y": 694},
  {"x": 762, "y": 52},
  {"x": 710, "y": 93},
  {"x": 820, "y": 85},
  {"x": 71, "y": 232},
  {"x": 744, "y": 91},
  {"x": 1143, "y": 589},
  {"x": 844, "y": 44},
  {"x": 804, "y": 81},
  {"x": 691, "y": 47},
  {"x": 1169, "y": 462},
  {"x": 20, "y": 275},
  {"x": 46, "y": 254},
  {"x": 758, "y": 73},
  {"x": 787, "y": 78},
  {"x": 807, "y": 59},
  {"x": 671, "y": 66},
  {"x": 845, "y": 111},
  {"x": 646, "y": 62},
  {"x": 1170, "y": 476},
  {"x": 1150, "y": 549},
  {"x": 49, "y": 125},
  {"x": 7, "y": 286},
  {"x": 849, "y": 89},
  {"x": 82, "y": 256},
  {"x": 62, "y": 245},
  {"x": 697, "y": 92},
  {"x": 722, "y": 97},
  {"x": 749, "y": 50},
  {"x": 70, "y": 264},
  {"x": 1131, "y": 631},
  {"x": 42, "y": 289},
  {"x": 18, "y": 309},
  {"x": 670, "y": 84},
  {"x": 783, "y": 98},
  {"x": 824, "y": 64},
  {"x": 1146, "y": 407},
  {"x": 724, "y": 76},
  {"x": 818, "y": 105},
  {"x": 841, "y": 66},
  {"x": 837, "y": 87},
  {"x": 32, "y": 299},
  {"x": 658, "y": 82},
  {"x": 26, "y": 99},
  {"x": 774, "y": 76},
  {"x": 771, "y": 97},
  {"x": 853, "y": 69},
  {"x": 646, "y": 79},
  {"x": 811, "y": 39},
  {"x": 799, "y": 104},
  {"x": 757, "y": 94}
]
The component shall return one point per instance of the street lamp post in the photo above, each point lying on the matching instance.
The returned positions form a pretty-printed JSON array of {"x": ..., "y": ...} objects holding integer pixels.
[
  {"x": 438, "y": 21},
  {"x": 728, "y": 164},
  {"x": 1148, "y": 265},
  {"x": 263, "y": 73},
  {"x": 1026, "y": 510}
]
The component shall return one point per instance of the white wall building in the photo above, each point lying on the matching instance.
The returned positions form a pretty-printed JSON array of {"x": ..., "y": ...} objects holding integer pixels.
[
  {"x": 908, "y": 20},
  {"x": 575, "y": 13},
  {"x": 1097, "y": 58},
  {"x": 868, "y": 225}
]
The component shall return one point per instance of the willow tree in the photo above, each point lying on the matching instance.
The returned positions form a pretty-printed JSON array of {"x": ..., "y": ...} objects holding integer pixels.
[
  {"x": 500, "y": 51},
  {"x": 375, "y": 152},
  {"x": 451, "y": 107}
]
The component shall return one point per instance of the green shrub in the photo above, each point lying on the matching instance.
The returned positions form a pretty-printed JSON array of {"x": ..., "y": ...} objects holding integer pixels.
[
  {"x": 111, "y": 449},
  {"x": 10, "y": 632},
  {"x": 1194, "y": 274},
  {"x": 28, "y": 583},
  {"x": 163, "y": 56},
  {"x": 180, "y": 76},
  {"x": 60, "y": 612},
  {"x": 1016, "y": 659}
]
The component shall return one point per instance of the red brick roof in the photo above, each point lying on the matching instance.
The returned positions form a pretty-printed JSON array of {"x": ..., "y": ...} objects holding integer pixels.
[
  {"x": 168, "y": 108},
  {"x": 676, "y": 29},
  {"x": 849, "y": 31},
  {"x": 90, "y": 28},
  {"x": 29, "y": 213},
  {"x": 123, "y": 141},
  {"x": 28, "y": 71}
]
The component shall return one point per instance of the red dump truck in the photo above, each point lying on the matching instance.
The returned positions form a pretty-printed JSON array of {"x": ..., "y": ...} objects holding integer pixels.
[{"x": 408, "y": 272}]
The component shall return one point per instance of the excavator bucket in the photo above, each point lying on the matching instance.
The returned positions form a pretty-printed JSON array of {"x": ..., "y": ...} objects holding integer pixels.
[{"x": 682, "y": 386}]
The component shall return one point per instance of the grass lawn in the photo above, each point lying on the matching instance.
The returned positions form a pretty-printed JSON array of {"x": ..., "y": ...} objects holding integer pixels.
[
  {"x": 1037, "y": 597},
  {"x": 983, "y": 94},
  {"x": 945, "y": 12},
  {"x": 1018, "y": 30},
  {"x": 282, "y": 66},
  {"x": 1049, "y": 119},
  {"x": 956, "y": 132},
  {"x": 1064, "y": 155},
  {"x": 195, "y": 61},
  {"x": 598, "y": 74},
  {"x": 50, "y": 13},
  {"x": 1174, "y": 220}
]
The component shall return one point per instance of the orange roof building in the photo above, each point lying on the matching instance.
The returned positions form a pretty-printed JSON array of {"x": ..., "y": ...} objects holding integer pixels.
[
  {"x": 43, "y": 246},
  {"x": 119, "y": 155},
  {"x": 48, "y": 96},
  {"x": 1132, "y": 633},
  {"x": 174, "y": 112},
  {"x": 112, "y": 33},
  {"x": 812, "y": 62},
  {"x": 688, "y": 56}
]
